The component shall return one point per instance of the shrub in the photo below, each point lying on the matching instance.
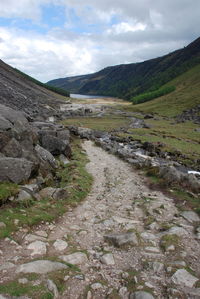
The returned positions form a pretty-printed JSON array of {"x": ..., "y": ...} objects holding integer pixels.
[{"x": 145, "y": 97}]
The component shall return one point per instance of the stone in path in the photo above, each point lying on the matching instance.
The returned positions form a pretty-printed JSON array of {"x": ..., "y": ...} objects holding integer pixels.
[
  {"x": 122, "y": 239},
  {"x": 183, "y": 278},
  {"x": 31, "y": 238},
  {"x": 38, "y": 248},
  {"x": 41, "y": 267},
  {"x": 190, "y": 216},
  {"x": 107, "y": 259},
  {"x": 141, "y": 295},
  {"x": 60, "y": 245},
  {"x": 76, "y": 258},
  {"x": 52, "y": 288}
]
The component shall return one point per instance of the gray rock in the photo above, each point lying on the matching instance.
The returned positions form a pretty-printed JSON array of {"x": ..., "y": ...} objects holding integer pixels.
[
  {"x": 107, "y": 259},
  {"x": 5, "y": 124},
  {"x": 31, "y": 238},
  {"x": 60, "y": 245},
  {"x": 157, "y": 267},
  {"x": 23, "y": 195},
  {"x": 6, "y": 266},
  {"x": 176, "y": 230},
  {"x": 96, "y": 286},
  {"x": 56, "y": 146},
  {"x": 52, "y": 288},
  {"x": 190, "y": 216},
  {"x": 122, "y": 239},
  {"x": 183, "y": 278},
  {"x": 16, "y": 170},
  {"x": 12, "y": 149},
  {"x": 41, "y": 267},
  {"x": 141, "y": 295},
  {"x": 38, "y": 248},
  {"x": 63, "y": 159},
  {"x": 55, "y": 193},
  {"x": 76, "y": 258},
  {"x": 46, "y": 156}
]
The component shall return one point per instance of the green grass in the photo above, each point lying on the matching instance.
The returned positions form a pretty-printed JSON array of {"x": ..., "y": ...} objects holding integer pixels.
[
  {"x": 168, "y": 240},
  {"x": 7, "y": 190},
  {"x": 96, "y": 123},
  {"x": 78, "y": 183},
  {"x": 14, "y": 288},
  {"x": 175, "y": 138},
  {"x": 186, "y": 96}
]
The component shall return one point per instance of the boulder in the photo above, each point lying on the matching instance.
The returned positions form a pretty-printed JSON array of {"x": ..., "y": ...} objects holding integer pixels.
[
  {"x": 141, "y": 295},
  {"x": 56, "y": 146},
  {"x": 46, "y": 156},
  {"x": 55, "y": 193},
  {"x": 41, "y": 267},
  {"x": 76, "y": 258},
  {"x": 15, "y": 170},
  {"x": 12, "y": 149},
  {"x": 122, "y": 239},
  {"x": 183, "y": 278}
]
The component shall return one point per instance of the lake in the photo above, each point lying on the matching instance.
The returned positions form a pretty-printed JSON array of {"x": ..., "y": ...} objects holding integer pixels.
[{"x": 84, "y": 96}]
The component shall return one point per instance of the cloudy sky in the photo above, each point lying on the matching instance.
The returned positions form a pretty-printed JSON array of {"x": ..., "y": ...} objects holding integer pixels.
[{"x": 49, "y": 39}]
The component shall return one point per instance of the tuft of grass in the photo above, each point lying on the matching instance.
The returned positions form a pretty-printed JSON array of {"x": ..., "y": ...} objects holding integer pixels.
[
  {"x": 168, "y": 240},
  {"x": 7, "y": 190}
]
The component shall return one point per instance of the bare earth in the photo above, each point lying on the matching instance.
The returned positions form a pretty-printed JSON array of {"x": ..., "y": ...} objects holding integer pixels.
[{"x": 119, "y": 202}]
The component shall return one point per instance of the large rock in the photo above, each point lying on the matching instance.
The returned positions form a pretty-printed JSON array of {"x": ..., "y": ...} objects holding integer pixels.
[
  {"x": 46, "y": 156},
  {"x": 141, "y": 295},
  {"x": 122, "y": 239},
  {"x": 190, "y": 216},
  {"x": 41, "y": 267},
  {"x": 16, "y": 170},
  {"x": 55, "y": 193},
  {"x": 56, "y": 146},
  {"x": 76, "y": 258},
  {"x": 38, "y": 248},
  {"x": 183, "y": 278}
]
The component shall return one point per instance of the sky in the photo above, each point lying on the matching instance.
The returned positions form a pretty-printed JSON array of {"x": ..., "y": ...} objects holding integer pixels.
[{"x": 50, "y": 39}]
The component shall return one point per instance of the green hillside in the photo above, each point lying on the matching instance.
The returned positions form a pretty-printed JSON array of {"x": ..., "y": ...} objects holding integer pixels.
[
  {"x": 185, "y": 96},
  {"x": 127, "y": 80}
]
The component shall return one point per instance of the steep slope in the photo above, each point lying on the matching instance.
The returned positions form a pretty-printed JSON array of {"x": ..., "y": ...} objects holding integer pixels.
[
  {"x": 186, "y": 96},
  {"x": 128, "y": 80},
  {"x": 20, "y": 93}
]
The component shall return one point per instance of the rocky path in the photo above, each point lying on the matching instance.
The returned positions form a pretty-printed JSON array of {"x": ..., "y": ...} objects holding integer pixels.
[{"x": 124, "y": 241}]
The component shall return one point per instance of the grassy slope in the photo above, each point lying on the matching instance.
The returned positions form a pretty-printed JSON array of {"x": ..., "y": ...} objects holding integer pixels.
[{"x": 186, "y": 95}]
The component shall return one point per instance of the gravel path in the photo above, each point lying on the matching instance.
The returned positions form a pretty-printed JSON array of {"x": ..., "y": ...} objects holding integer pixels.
[{"x": 123, "y": 237}]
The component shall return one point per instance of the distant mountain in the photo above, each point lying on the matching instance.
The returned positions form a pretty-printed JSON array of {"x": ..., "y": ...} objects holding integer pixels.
[
  {"x": 21, "y": 92},
  {"x": 128, "y": 80}
]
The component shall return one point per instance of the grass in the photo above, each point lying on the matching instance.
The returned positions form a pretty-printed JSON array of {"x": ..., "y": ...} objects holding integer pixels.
[
  {"x": 168, "y": 240},
  {"x": 185, "y": 96},
  {"x": 145, "y": 97},
  {"x": 107, "y": 123},
  {"x": 73, "y": 176},
  {"x": 14, "y": 288},
  {"x": 7, "y": 190},
  {"x": 180, "y": 140}
]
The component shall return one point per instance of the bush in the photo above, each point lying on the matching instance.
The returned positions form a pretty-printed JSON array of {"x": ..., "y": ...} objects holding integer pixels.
[{"x": 145, "y": 97}]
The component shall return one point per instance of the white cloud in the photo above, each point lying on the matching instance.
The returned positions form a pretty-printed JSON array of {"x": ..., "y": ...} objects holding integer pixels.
[{"x": 127, "y": 31}]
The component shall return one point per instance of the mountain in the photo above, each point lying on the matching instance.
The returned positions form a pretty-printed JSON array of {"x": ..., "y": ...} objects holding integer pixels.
[
  {"x": 21, "y": 92},
  {"x": 128, "y": 80}
]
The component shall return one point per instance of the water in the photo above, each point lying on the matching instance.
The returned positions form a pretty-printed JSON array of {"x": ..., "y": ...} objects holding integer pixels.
[{"x": 84, "y": 96}]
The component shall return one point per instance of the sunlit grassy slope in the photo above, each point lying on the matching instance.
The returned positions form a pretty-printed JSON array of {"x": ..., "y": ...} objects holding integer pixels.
[{"x": 186, "y": 96}]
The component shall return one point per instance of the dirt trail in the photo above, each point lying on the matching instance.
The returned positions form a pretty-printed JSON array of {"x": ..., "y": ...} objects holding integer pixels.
[{"x": 119, "y": 202}]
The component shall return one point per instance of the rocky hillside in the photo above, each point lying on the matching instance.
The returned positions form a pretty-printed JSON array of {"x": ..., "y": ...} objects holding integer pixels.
[
  {"x": 20, "y": 93},
  {"x": 128, "y": 80}
]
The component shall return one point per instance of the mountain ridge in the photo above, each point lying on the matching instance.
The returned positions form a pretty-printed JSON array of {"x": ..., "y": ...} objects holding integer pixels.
[{"x": 128, "y": 80}]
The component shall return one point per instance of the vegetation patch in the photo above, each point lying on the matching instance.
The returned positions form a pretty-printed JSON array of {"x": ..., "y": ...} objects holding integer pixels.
[
  {"x": 169, "y": 240},
  {"x": 73, "y": 176},
  {"x": 145, "y": 97},
  {"x": 107, "y": 123},
  {"x": 7, "y": 190}
]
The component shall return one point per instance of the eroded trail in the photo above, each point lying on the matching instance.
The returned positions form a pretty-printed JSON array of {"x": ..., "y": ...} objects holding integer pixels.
[{"x": 124, "y": 238}]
